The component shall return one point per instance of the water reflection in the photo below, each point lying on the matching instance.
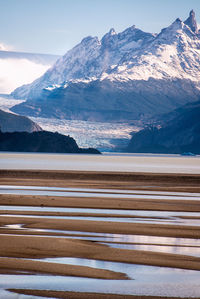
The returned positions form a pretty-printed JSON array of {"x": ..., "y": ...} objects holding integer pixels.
[
  {"x": 120, "y": 238},
  {"x": 152, "y": 281},
  {"x": 94, "y": 195},
  {"x": 93, "y": 190},
  {"x": 171, "y": 221},
  {"x": 192, "y": 251},
  {"x": 8, "y": 295},
  {"x": 139, "y": 213},
  {"x": 180, "y": 246}
]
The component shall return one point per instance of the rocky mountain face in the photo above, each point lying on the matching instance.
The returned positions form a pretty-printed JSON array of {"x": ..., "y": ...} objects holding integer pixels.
[
  {"x": 44, "y": 142},
  {"x": 179, "y": 132},
  {"x": 11, "y": 123},
  {"x": 125, "y": 76}
]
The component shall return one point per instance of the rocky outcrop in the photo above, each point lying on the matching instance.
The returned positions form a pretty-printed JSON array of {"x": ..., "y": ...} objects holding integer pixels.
[{"x": 44, "y": 142}]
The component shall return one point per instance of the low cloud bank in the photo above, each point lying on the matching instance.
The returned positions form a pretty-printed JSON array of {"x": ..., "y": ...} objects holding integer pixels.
[{"x": 16, "y": 72}]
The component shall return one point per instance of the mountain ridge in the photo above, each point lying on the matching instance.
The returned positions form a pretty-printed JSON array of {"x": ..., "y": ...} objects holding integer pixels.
[
  {"x": 132, "y": 64},
  {"x": 179, "y": 132}
]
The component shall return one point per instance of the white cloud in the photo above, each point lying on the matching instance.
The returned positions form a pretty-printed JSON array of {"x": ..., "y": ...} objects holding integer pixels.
[
  {"x": 4, "y": 47},
  {"x": 16, "y": 72}
]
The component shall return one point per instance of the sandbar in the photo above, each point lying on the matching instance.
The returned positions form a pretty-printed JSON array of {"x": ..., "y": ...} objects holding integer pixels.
[
  {"x": 41, "y": 247},
  {"x": 78, "y": 295}
]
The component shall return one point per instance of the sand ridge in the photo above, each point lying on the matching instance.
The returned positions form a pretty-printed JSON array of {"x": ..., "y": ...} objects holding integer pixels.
[{"x": 17, "y": 245}]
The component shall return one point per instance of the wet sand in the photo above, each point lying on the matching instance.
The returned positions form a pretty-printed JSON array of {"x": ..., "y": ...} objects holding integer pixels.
[
  {"x": 106, "y": 227},
  {"x": 73, "y": 295},
  {"x": 31, "y": 266},
  {"x": 21, "y": 244},
  {"x": 104, "y": 203},
  {"x": 92, "y": 179},
  {"x": 39, "y": 247}
]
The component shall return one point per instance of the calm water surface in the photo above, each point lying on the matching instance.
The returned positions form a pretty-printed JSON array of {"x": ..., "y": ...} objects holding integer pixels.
[
  {"x": 148, "y": 280},
  {"x": 106, "y": 162},
  {"x": 173, "y": 221},
  {"x": 92, "y": 190}
]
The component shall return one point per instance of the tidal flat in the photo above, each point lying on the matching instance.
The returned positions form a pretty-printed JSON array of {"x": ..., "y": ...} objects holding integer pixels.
[{"x": 53, "y": 246}]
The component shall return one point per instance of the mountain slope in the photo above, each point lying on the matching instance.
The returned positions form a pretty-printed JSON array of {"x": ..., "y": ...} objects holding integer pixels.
[
  {"x": 11, "y": 123},
  {"x": 120, "y": 77},
  {"x": 110, "y": 101},
  {"x": 87, "y": 61},
  {"x": 179, "y": 133}
]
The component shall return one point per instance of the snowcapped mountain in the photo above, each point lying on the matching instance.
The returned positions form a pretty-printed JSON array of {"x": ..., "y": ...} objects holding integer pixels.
[
  {"x": 88, "y": 60},
  {"x": 123, "y": 76},
  {"x": 17, "y": 68}
]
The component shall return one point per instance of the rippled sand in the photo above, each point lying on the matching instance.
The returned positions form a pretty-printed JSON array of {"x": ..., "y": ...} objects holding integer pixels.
[{"x": 48, "y": 235}]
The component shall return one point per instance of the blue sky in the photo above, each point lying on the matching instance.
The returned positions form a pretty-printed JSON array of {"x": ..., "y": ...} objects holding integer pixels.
[{"x": 55, "y": 26}]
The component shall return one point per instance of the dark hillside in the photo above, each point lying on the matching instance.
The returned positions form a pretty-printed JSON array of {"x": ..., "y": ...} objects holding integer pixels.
[{"x": 44, "y": 142}]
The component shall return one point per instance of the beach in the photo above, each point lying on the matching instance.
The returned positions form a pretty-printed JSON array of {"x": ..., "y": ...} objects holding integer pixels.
[{"x": 30, "y": 236}]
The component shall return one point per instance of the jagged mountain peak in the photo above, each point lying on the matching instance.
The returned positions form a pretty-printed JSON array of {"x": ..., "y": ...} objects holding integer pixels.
[
  {"x": 130, "y": 57},
  {"x": 178, "y": 20},
  {"x": 129, "y": 34},
  {"x": 109, "y": 37},
  {"x": 191, "y": 22},
  {"x": 176, "y": 31},
  {"x": 134, "y": 32},
  {"x": 112, "y": 31},
  {"x": 89, "y": 39}
]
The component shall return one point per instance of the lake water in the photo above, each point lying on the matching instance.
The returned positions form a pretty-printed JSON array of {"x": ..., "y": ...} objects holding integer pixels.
[
  {"x": 100, "y": 191},
  {"x": 105, "y": 162},
  {"x": 94, "y": 195}
]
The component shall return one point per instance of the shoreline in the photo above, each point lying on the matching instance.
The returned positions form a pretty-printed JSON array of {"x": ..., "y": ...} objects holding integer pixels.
[
  {"x": 41, "y": 267},
  {"x": 102, "y": 180},
  {"x": 85, "y": 295},
  {"x": 162, "y": 230},
  {"x": 39, "y": 247}
]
